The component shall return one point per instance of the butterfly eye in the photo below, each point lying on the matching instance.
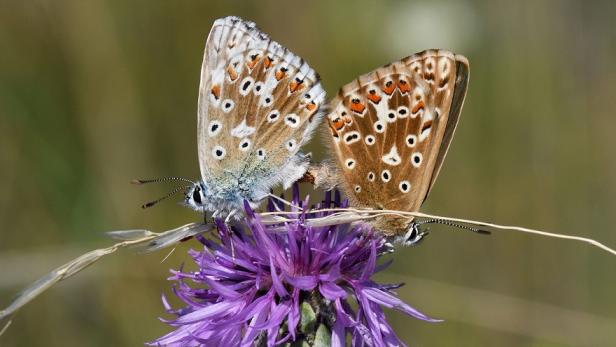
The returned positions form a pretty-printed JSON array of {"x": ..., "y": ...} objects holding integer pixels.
[
  {"x": 196, "y": 195},
  {"x": 219, "y": 152},
  {"x": 416, "y": 159},
  {"x": 404, "y": 186}
]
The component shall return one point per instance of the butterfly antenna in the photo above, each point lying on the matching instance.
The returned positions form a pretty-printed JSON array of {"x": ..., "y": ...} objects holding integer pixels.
[
  {"x": 173, "y": 192},
  {"x": 164, "y": 179},
  {"x": 456, "y": 225}
]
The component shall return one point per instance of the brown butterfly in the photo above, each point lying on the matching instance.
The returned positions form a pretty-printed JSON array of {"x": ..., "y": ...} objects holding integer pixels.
[{"x": 390, "y": 131}]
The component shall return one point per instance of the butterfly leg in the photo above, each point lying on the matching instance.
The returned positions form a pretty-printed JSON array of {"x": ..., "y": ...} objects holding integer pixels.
[
  {"x": 227, "y": 220},
  {"x": 231, "y": 214}
]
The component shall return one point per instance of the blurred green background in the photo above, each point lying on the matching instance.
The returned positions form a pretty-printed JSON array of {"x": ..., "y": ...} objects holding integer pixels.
[{"x": 94, "y": 93}]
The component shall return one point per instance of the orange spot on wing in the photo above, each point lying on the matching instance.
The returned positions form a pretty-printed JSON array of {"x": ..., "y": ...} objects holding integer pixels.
[
  {"x": 216, "y": 91},
  {"x": 267, "y": 62},
  {"x": 374, "y": 98},
  {"x": 253, "y": 62},
  {"x": 337, "y": 123},
  {"x": 332, "y": 127},
  {"x": 418, "y": 106},
  {"x": 295, "y": 86},
  {"x": 357, "y": 106},
  {"x": 311, "y": 106},
  {"x": 232, "y": 73},
  {"x": 404, "y": 86},
  {"x": 389, "y": 88},
  {"x": 280, "y": 75}
]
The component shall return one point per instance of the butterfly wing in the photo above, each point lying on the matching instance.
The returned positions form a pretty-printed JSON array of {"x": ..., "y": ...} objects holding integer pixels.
[
  {"x": 258, "y": 103},
  {"x": 391, "y": 128}
]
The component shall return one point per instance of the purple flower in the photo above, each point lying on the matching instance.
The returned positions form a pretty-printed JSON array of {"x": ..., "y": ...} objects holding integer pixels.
[{"x": 260, "y": 286}]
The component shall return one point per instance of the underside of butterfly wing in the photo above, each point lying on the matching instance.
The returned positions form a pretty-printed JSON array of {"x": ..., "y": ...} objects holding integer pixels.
[
  {"x": 258, "y": 104},
  {"x": 391, "y": 128}
]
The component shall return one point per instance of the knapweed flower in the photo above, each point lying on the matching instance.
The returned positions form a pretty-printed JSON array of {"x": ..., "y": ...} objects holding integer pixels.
[{"x": 257, "y": 285}]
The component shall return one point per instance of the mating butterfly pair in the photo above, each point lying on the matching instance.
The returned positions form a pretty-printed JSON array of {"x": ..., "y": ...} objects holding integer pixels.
[{"x": 259, "y": 103}]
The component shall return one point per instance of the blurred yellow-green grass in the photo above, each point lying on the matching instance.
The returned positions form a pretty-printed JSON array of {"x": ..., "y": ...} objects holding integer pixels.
[{"x": 94, "y": 93}]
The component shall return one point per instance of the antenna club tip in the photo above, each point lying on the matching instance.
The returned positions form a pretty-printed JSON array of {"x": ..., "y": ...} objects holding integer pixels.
[
  {"x": 149, "y": 204},
  {"x": 136, "y": 181}
]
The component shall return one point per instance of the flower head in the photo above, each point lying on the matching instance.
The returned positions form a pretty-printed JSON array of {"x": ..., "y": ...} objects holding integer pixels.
[{"x": 258, "y": 285}]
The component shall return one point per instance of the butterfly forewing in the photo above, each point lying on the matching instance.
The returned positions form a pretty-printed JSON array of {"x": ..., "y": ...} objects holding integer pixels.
[
  {"x": 391, "y": 128},
  {"x": 258, "y": 103}
]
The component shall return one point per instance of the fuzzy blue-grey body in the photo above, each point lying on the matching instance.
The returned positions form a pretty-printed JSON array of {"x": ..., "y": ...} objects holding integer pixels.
[{"x": 226, "y": 194}]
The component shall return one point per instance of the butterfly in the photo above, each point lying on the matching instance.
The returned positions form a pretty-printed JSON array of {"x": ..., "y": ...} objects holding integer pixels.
[
  {"x": 258, "y": 104},
  {"x": 390, "y": 131}
]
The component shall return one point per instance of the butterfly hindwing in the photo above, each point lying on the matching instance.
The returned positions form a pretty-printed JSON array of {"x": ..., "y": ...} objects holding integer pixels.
[
  {"x": 391, "y": 128},
  {"x": 258, "y": 103}
]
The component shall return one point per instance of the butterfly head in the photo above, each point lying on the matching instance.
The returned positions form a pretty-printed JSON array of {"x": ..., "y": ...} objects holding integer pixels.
[
  {"x": 195, "y": 196},
  {"x": 413, "y": 235}
]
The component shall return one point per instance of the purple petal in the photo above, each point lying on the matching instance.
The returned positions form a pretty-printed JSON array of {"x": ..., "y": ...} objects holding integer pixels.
[
  {"x": 388, "y": 300},
  {"x": 293, "y": 318},
  {"x": 369, "y": 267},
  {"x": 215, "y": 310},
  {"x": 251, "y": 333},
  {"x": 371, "y": 318},
  {"x": 280, "y": 289},
  {"x": 332, "y": 291},
  {"x": 223, "y": 290},
  {"x": 277, "y": 315},
  {"x": 302, "y": 282}
]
